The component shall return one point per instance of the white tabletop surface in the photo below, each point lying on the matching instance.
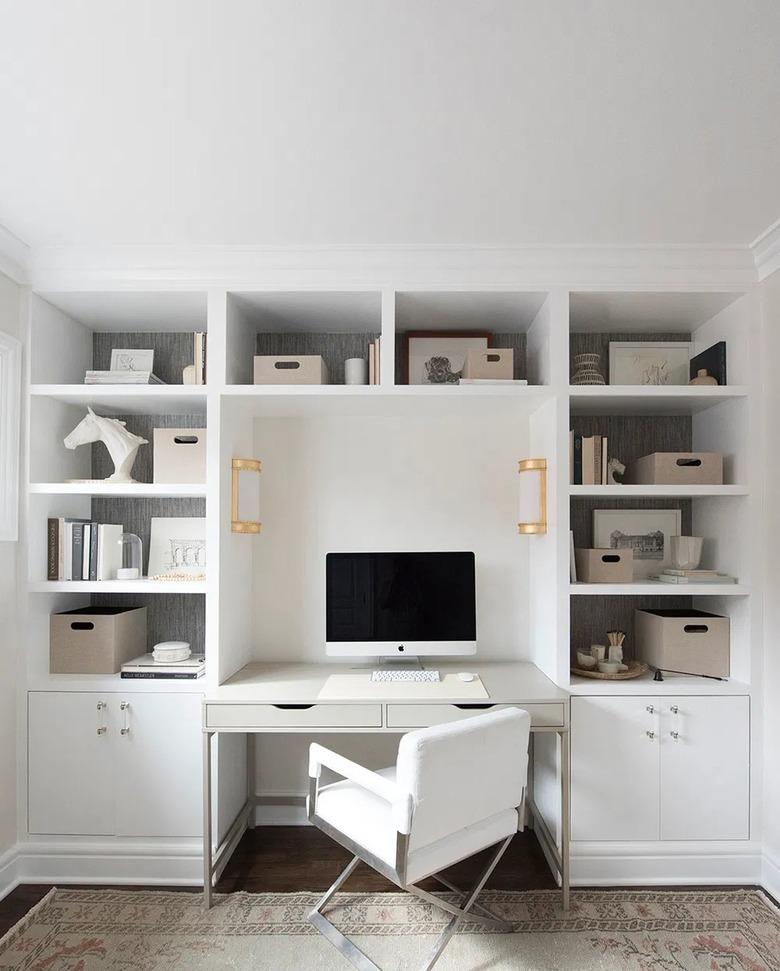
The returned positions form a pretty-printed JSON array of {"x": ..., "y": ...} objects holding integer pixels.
[{"x": 302, "y": 683}]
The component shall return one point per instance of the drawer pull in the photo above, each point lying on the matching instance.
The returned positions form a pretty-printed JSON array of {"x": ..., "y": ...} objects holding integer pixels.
[
  {"x": 476, "y": 706},
  {"x": 293, "y": 707}
]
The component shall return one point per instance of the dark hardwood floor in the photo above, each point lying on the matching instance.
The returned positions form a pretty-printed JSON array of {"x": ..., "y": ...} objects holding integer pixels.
[{"x": 284, "y": 859}]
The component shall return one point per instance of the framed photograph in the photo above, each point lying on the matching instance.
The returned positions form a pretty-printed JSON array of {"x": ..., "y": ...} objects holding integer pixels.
[
  {"x": 131, "y": 359},
  {"x": 645, "y": 363},
  {"x": 438, "y": 356},
  {"x": 177, "y": 546},
  {"x": 645, "y": 531}
]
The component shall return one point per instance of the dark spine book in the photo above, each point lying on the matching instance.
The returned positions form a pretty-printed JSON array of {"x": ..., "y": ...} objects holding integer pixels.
[
  {"x": 577, "y": 458},
  {"x": 93, "y": 551},
  {"x": 53, "y": 550},
  {"x": 77, "y": 546},
  {"x": 159, "y": 676}
]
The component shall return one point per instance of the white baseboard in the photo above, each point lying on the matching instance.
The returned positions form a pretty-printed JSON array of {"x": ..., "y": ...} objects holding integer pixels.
[
  {"x": 9, "y": 876},
  {"x": 770, "y": 876},
  {"x": 282, "y": 810},
  {"x": 654, "y": 864}
]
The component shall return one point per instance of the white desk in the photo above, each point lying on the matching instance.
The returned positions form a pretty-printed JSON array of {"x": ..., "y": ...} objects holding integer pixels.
[{"x": 284, "y": 698}]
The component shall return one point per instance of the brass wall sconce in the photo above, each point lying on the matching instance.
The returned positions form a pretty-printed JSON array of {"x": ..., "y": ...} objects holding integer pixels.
[
  {"x": 533, "y": 496},
  {"x": 242, "y": 525}
]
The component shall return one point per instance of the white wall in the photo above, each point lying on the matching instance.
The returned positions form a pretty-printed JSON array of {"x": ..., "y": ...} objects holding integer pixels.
[
  {"x": 9, "y": 322},
  {"x": 771, "y": 362}
]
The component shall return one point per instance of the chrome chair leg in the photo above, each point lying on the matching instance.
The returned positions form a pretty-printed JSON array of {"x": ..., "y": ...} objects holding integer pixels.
[{"x": 343, "y": 944}]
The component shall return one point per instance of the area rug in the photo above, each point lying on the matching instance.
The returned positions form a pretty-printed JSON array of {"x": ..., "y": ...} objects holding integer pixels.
[{"x": 87, "y": 930}]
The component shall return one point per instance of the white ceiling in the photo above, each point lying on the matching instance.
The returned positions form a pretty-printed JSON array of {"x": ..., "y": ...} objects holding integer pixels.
[{"x": 389, "y": 121}]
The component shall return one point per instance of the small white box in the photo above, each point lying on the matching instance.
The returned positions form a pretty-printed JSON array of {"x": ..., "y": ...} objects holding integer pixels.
[
  {"x": 180, "y": 455},
  {"x": 491, "y": 363},
  {"x": 290, "y": 369}
]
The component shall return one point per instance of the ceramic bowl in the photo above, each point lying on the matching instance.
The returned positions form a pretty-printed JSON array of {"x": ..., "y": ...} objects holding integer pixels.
[
  {"x": 609, "y": 667},
  {"x": 585, "y": 660}
]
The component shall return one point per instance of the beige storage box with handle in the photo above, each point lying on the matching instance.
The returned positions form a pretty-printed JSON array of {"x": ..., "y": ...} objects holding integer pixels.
[
  {"x": 290, "y": 369},
  {"x": 493, "y": 363},
  {"x": 676, "y": 468},
  {"x": 180, "y": 455},
  {"x": 684, "y": 641},
  {"x": 96, "y": 640},
  {"x": 604, "y": 566}
]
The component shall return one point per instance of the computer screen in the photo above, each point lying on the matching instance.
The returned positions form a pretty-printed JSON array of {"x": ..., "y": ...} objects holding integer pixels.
[{"x": 400, "y": 603}]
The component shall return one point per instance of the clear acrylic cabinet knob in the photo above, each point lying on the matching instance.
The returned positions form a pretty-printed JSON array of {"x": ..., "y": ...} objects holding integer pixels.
[{"x": 132, "y": 557}]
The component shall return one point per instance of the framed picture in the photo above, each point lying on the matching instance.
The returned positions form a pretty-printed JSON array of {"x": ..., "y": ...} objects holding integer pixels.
[
  {"x": 438, "y": 356},
  {"x": 645, "y": 531},
  {"x": 131, "y": 359},
  {"x": 645, "y": 363},
  {"x": 177, "y": 546}
]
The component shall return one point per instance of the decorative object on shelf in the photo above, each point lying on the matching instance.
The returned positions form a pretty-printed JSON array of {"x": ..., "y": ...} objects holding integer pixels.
[
  {"x": 609, "y": 667},
  {"x": 533, "y": 496},
  {"x": 179, "y": 455},
  {"x": 238, "y": 525},
  {"x": 585, "y": 660},
  {"x": 132, "y": 359},
  {"x": 692, "y": 576},
  {"x": 356, "y": 370},
  {"x": 588, "y": 459},
  {"x": 686, "y": 552},
  {"x": 177, "y": 546},
  {"x": 290, "y": 369},
  {"x": 647, "y": 532},
  {"x": 439, "y": 356},
  {"x": 677, "y": 468},
  {"x": 146, "y": 667},
  {"x": 616, "y": 640},
  {"x": 586, "y": 369},
  {"x": 178, "y": 577},
  {"x": 647, "y": 363},
  {"x": 605, "y": 565},
  {"x": 712, "y": 362},
  {"x": 493, "y": 364},
  {"x": 635, "y": 669},
  {"x": 374, "y": 362},
  {"x": 598, "y": 652},
  {"x": 703, "y": 379},
  {"x": 95, "y": 640},
  {"x": 132, "y": 558},
  {"x": 168, "y": 652},
  {"x": 189, "y": 374},
  {"x": 122, "y": 444},
  {"x": 684, "y": 641},
  {"x": 615, "y": 468},
  {"x": 128, "y": 366}
]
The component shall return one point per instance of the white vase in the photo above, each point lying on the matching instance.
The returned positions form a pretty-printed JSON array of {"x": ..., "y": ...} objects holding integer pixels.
[{"x": 356, "y": 370}]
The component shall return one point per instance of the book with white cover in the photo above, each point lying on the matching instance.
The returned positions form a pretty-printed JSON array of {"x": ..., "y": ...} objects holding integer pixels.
[{"x": 145, "y": 666}]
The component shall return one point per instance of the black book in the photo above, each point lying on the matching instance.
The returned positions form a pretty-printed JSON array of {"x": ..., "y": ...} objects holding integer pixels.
[
  {"x": 713, "y": 361},
  {"x": 53, "y": 550},
  {"x": 577, "y": 477},
  {"x": 93, "y": 551}
]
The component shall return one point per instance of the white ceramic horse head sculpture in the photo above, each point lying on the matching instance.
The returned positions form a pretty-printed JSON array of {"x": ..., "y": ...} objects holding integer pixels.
[{"x": 122, "y": 445}]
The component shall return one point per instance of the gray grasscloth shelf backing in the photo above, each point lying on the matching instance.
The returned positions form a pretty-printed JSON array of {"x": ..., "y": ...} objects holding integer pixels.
[
  {"x": 142, "y": 425},
  {"x": 172, "y": 351},
  {"x": 516, "y": 341},
  {"x": 592, "y": 617},
  {"x": 582, "y": 514},
  {"x": 169, "y": 617},
  {"x": 632, "y": 436},
  {"x": 333, "y": 348},
  {"x": 599, "y": 344}
]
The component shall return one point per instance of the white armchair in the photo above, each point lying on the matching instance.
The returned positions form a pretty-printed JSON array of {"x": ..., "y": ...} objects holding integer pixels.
[{"x": 456, "y": 789}]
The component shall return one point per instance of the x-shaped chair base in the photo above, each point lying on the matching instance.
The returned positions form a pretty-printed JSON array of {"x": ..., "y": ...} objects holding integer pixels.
[{"x": 469, "y": 909}]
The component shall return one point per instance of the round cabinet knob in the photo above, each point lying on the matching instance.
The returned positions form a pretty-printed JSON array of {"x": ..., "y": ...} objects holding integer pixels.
[
  {"x": 675, "y": 735},
  {"x": 674, "y": 710},
  {"x": 650, "y": 710},
  {"x": 651, "y": 734}
]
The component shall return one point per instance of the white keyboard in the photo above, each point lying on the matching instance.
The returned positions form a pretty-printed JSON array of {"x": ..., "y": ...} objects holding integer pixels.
[{"x": 409, "y": 676}]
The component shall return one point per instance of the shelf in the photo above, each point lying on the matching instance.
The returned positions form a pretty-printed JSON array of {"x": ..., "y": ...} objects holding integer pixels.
[
  {"x": 117, "y": 586},
  {"x": 139, "y": 399},
  {"x": 632, "y": 400},
  {"x": 655, "y": 491},
  {"x": 658, "y": 589},
  {"x": 147, "y": 490},
  {"x": 672, "y": 684}
]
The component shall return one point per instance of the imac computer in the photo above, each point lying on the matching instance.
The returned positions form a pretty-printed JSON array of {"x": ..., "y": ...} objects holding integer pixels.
[{"x": 401, "y": 605}]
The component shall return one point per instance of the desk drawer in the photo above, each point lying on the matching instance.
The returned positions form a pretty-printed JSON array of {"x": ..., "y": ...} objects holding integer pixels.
[
  {"x": 420, "y": 716},
  {"x": 293, "y": 716}
]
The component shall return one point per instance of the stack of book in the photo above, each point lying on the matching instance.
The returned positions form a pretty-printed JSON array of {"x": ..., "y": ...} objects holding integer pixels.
[
  {"x": 373, "y": 362},
  {"x": 82, "y": 550},
  {"x": 588, "y": 459},
  {"x": 692, "y": 576},
  {"x": 121, "y": 377},
  {"x": 145, "y": 666},
  {"x": 199, "y": 358}
]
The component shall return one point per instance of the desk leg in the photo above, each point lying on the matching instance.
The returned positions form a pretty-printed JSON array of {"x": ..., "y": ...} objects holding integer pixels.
[
  {"x": 251, "y": 773},
  {"x": 207, "y": 841},
  {"x": 565, "y": 817}
]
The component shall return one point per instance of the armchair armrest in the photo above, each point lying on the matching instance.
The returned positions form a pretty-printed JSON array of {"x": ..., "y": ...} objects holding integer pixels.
[{"x": 400, "y": 801}]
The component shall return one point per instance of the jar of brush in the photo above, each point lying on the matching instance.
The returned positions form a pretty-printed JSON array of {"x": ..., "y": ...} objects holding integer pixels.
[{"x": 615, "y": 640}]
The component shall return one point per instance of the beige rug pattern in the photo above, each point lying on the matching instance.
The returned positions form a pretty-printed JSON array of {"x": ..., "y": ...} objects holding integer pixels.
[{"x": 608, "y": 930}]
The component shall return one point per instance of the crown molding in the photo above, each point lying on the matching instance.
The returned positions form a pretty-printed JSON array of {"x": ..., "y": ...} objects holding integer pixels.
[
  {"x": 14, "y": 256},
  {"x": 766, "y": 251},
  {"x": 200, "y": 267}
]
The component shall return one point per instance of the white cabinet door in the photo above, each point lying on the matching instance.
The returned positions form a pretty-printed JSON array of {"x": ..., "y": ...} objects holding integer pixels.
[
  {"x": 615, "y": 764},
  {"x": 158, "y": 789},
  {"x": 705, "y": 771},
  {"x": 71, "y": 778}
]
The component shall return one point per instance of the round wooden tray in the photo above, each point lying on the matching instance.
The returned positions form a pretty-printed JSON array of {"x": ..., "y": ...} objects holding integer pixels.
[{"x": 635, "y": 670}]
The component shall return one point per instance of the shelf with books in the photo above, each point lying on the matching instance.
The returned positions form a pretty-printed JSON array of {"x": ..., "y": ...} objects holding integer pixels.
[
  {"x": 118, "y": 586},
  {"x": 649, "y": 400},
  {"x": 120, "y": 490},
  {"x": 140, "y": 399},
  {"x": 658, "y": 589}
]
